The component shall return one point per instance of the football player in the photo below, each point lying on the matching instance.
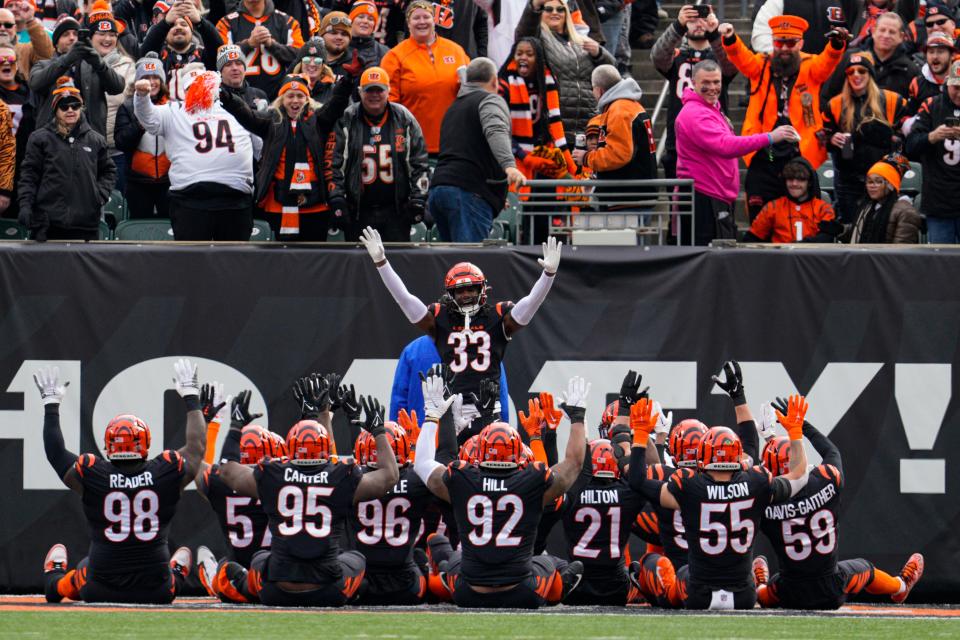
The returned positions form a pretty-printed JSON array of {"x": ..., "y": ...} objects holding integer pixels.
[
  {"x": 470, "y": 334},
  {"x": 497, "y": 506},
  {"x": 720, "y": 506},
  {"x": 128, "y": 502},
  {"x": 309, "y": 498},
  {"x": 805, "y": 535}
]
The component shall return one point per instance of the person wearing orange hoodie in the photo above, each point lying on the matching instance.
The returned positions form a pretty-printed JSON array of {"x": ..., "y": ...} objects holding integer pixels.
[
  {"x": 799, "y": 216},
  {"x": 784, "y": 89}
]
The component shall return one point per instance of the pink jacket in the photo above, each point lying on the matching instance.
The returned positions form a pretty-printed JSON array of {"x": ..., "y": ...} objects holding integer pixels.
[{"x": 707, "y": 148}]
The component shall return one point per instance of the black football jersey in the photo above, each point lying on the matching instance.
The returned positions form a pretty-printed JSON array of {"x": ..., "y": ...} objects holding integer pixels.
[
  {"x": 386, "y": 529},
  {"x": 672, "y": 534},
  {"x": 128, "y": 510},
  {"x": 497, "y": 515},
  {"x": 475, "y": 352},
  {"x": 307, "y": 508},
  {"x": 803, "y": 530},
  {"x": 680, "y": 77},
  {"x": 241, "y": 518},
  {"x": 597, "y": 519},
  {"x": 721, "y": 521}
]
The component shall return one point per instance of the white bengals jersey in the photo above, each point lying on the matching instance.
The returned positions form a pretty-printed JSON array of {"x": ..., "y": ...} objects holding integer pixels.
[{"x": 210, "y": 146}]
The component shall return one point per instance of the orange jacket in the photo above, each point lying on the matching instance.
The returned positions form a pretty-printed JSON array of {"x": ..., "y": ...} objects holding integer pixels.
[
  {"x": 423, "y": 78},
  {"x": 814, "y": 71},
  {"x": 778, "y": 218}
]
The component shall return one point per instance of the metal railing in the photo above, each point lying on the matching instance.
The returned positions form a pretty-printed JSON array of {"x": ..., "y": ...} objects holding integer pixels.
[{"x": 648, "y": 210}]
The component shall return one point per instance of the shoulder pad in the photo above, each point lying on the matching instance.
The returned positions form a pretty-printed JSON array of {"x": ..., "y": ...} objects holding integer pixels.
[
  {"x": 647, "y": 521},
  {"x": 830, "y": 473},
  {"x": 173, "y": 457},
  {"x": 656, "y": 472},
  {"x": 459, "y": 465},
  {"x": 436, "y": 308},
  {"x": 85, "y": 461},
  {"x": 763, "y": 470}
]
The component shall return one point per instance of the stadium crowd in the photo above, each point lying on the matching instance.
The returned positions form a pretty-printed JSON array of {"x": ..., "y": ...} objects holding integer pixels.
[{"x": 315, "y": 115}]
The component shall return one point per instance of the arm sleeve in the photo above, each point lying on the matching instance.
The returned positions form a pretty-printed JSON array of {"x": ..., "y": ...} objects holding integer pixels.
[
  {"x": 495, "y": 120},
  {"x": 149, "y": 116},
  {"x": 43, "y": 76},
  {"x": 727, "y": 68},
  {"x": 40, "y": 39},
  {"x": 527, "y": 306},
  {"x": 156, "y": 36},
  {"x": 824, "y": 446},
  {"x": 411, "y": 305},
  {"x": 231, "y": 445},
  {"x": 709, "y": 135},
  {"x": 211, "y": 42},
  {"x": 549, "y": 440},
  {"x": 111, "y": 82},
  {"x": 446, "y": 440},
  {"x": 783, "y": 488},
  {"x": 762, "y": 38},
  {"x": 637, "y": 476},
  {"x": 747, "y": 430},
  {"x": 747, "y": 62},
  {"x": 424, "y": 463},
  {"x": 665, "y": 47},
  {"x": 57, "y": 455},
  {"x": 529, "y": 23}
]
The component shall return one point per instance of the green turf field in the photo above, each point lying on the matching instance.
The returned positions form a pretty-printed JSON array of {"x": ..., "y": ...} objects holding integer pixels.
[{"x": 174, "y": 625}]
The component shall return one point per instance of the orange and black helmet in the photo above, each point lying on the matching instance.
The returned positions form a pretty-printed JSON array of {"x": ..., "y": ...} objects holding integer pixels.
[
  {"x": 776, "y": 455},
  {"x": 500, "y": 446},
  {"x": 608, "y": 416},
  {"x": 254, "y": 444},
  {"x": 276, "y": 445},
  {"x": 684, "y": 442},
  {"x": 720, "y": 450},
  {"x": 361, "y": 450},
  {"x": 127, "y": 438},
  {"x": 470, "y": 451},
  {"x": 308, "y": 443},
  {"x": 466, "y": 274},
  {"x": 397, "y": 438},
  {"x": 603, "y": 462}
]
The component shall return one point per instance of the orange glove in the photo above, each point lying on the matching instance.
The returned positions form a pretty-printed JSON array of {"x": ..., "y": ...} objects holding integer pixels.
[
  {"x": 551, "y": 415},
  {"x": 793, "y": 421},
  {"x": 642, "y": 421},
  {"x": 536, "y": 164},
  {"x": 410, "y": 424},
  {"x": 532, "y": 423}
]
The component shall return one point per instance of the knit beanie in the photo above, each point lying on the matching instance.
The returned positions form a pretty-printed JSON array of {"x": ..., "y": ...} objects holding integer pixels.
[
  {"x": 64, "y": 24},
  {"x": 149, "y": 66},
  {"x": 228, "y": 53}
]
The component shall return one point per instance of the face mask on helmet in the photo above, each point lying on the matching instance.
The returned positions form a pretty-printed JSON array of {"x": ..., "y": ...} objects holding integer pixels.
[
  {"x": 684, "y": 443},
  {"x": 466, "y": 288},
  {"x": 776, "y": 455},
  {"x": 603, "y": 462}
]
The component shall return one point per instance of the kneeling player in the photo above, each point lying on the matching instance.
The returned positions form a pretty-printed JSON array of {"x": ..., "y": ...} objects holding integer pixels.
[
  {"x": 308, "y": 500},
  {"x": 805, "y": 535},
  {"x": 128, "y": 502},
  {"x": 497, "y": 506}
]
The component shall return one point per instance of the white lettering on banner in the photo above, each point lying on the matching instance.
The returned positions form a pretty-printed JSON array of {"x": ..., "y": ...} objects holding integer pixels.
[
  {"x": 27, "y": 425},
  {"x": 923, "y": 392}
]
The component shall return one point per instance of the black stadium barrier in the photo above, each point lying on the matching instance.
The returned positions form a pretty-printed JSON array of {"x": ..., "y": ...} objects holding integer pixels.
[{"x": 870, "y": 336}]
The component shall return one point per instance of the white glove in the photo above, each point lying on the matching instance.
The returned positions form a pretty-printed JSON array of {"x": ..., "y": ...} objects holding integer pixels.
[
  {"x": 48, "y": 382},
  {"x": 434, "y": 404},
  {"x": 185, "y": 378},
  {"x": 374, "y": 245},
  {"x": 768, "y": 421},
  {"x": 576, "y": 394},
  {"x": 460, "y": 421},
  {"x": 551, "y": 256},
  {"x": 223, "y": 416},
  {"x": 664, "y": 420}
]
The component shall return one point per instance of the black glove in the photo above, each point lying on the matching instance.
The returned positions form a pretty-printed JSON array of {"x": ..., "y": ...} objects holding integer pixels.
[
  {"x": 486, "y": 401},
  {"x": 240, "y": 415},
  {"x": 732, "y": 382},
  {"x": 445, "y": 372},
  {"x": 313, "y": 394},
  {"x": 347, "y": 400},
  {"x": 78, "y": 52},
  {"x": 839, "y": 37},
  {"x": 333, "y": 385},
  {"x": 207, "y": 407},
  {"x": 415, "y": 211},
  {"x": 630, "y": 392},
  {"x": 373, "y": 423},
  {"x": 338, "y": 211},
  {"x": 780, "y": 404}
]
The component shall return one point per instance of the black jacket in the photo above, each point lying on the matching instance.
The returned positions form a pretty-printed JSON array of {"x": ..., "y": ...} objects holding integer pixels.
[
  {"x": 254, "y": 98},
  {"x": 65, "y": 181},
  {"x": 272, "y": 126},
  {"x": 411, "y": 173},
  {"x": 941, "y": 161},
  {"x": 137, "y": 14},
  {"x": 156, "y": 40}
]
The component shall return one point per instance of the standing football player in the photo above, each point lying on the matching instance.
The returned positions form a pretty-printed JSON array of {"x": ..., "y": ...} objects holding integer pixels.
[{"x": 128, "y": 502}]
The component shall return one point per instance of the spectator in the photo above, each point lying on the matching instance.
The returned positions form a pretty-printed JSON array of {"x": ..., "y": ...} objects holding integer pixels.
[
  {"x": 379, "y": 165},
  {"x": 893, "y": 68},
  {"x": 311, "y": 64},
  {"x": 211, "y": 160},
  {"x": 290, "y": 187},
  {"x": 883, "y": 216},
  {"x": 15, "y": 94},
  {"x": 24, "y": 12},
  {"x": 612, "y": 14},
  {"x": 674, "y": 58},
  {"x": 62, "y": 189},
  {"x": 306, "y": 13},
  {"x": 822, "y": 16},
  {"x": 423, "y": 72},
  {"x": 862, "y": 125},
  {"x": 138, "y": 15},
  {"x": 707, "y": 153},
  {"x": 269, "y": 38},
  {"x": 76, "y": 59},
  {"x": 934, "y": 141},
  {"x": 785, "y": 89},
  {"x": 469, "y": 186},
  {"x": 37, "y": 47},
  {"x": 49, "y": 11},
  {"x": 939, "y": 18},
  {"x": 463, "y": 22},
  {"x": 929, "y": 83},
  {"x": 8, "y": 160},
  {"x": 335, "y": 31},
  {"x": 363, "y": 23},
  {"x": 148, "y": 167},
  {"x": 865, "y": 20},
  {"x": 172, "y": 37},
  {"x": 644, "y": 21},
  {"x": 570, "y": 56},
  {"x": 799, "y": 216},
  {"x": 232, "y": 67}
]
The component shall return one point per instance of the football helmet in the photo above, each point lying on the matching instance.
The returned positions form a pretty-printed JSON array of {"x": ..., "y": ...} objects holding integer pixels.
[
  {"x": 254, "y": 444},
  {"x": 276, "y": 445},
  {"x": 719, "y": 450},
  {"x": 685, "y": 441},
  {"x": 308, "y": 443},
  {"x": 776, "y": 455},
  {"x": 397, "y": 438},
  {"x": 607, "y": 417},
  {"x": 461, "y": 275},
  {"x": 470, "y": 449},
  {"x": 127, "y": 438},
  {"x": 603, "y": 462},
  {"x": 500, "y": 446},
  {"x": 361, "y": 450}
]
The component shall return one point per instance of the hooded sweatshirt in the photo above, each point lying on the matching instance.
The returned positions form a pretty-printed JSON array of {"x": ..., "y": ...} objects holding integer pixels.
[
  {"x": 708, "y": 149},
  {"x": 782, "y": 219},
  {"x": 626, "y": 149}
]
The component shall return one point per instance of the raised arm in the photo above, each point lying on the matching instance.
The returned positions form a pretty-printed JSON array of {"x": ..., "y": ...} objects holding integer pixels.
[
  {"x": 147, "y": 113},
  {"x": 821, "y": 443},
  {"x": 62, "y": 461},
  {"x": 522, "y": 313},
  {"x": 566, "y": 471},
  {"x": 412, "y": 307},
  {"x": 425, "y": 464},
  {"x": 732, "y": 385},
  {"x": 377, "y": 483},
  {"x": 240, "y": 478},
  {"x": 788, "y": 485},
  {"x": 188, "y": 386},
  {"x": 643, "y": 422}
]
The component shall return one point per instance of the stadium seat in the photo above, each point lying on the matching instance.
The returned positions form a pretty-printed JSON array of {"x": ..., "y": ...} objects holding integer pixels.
[
  {"x": 418, "y": 232},
  {"x": 336, "y": 235},
  {"x": 826, "y": 174},
  {"x": 434, "y": 234},
  {"x": 144, "y": 230},
  {"x": 261, "y": 231},
  {"x": 509, "y": 216},
  {"x": 826, "y": 197},
  {"x": 104, "y": 230},
  {"x": 497, "y": 231},
  {"x": 912, "y": 180},
  {"x": 115, "y": 209},
  {"x": 12, "y": 230}
]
